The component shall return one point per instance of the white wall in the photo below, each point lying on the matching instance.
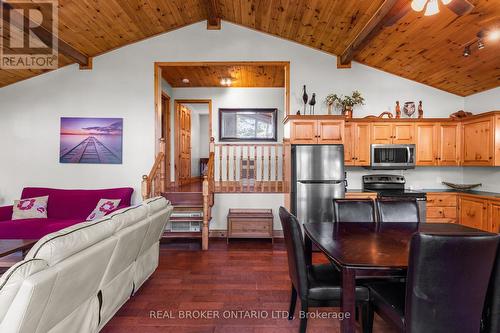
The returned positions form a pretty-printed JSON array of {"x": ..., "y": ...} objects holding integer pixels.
[
  {"x": 121, "y": 85},
  {"x": 488, "y": 100}
]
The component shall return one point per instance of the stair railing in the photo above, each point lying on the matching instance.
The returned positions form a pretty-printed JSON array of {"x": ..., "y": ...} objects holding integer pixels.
[
  {"x": 154, "y": 184},
  {"x": 208, "y": 198}
]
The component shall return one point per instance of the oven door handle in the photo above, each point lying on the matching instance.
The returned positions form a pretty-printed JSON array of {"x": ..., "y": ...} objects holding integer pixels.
[{"x": 409, "y": 155}]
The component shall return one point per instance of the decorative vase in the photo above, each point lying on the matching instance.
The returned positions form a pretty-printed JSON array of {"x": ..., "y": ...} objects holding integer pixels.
[
  {"x": 312, "y": 102},
  {"x": 305, "y": 98},
  {"x": 409, "y": 109},
  {"x": 330, "y": 108},
  {"x": 348, "y": 111}
]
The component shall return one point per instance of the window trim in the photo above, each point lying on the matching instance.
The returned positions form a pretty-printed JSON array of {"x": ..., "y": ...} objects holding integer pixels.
[{"x": 256, "y": 110}]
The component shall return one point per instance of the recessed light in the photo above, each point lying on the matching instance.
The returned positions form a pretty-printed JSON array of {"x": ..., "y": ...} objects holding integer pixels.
[
  {"x": 226, "y": 82},
  {"x": 494, "y": 35},
  {"x": 185, "y": 80}
]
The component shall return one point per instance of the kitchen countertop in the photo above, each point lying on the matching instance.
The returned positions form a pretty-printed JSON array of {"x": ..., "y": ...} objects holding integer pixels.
[{"x": 440, "y": 190}]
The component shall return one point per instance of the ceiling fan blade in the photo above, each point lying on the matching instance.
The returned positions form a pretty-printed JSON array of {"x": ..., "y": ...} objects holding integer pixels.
[
  {"x": 400, "y": 9},
  {"x": 460, "y": 7}
]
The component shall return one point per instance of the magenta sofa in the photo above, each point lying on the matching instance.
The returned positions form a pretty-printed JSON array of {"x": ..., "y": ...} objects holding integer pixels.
[{"x": 64, "y": 208}]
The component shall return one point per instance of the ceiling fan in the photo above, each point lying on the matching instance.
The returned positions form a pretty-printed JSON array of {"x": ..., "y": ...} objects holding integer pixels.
[{"x": 459, "y": 7}]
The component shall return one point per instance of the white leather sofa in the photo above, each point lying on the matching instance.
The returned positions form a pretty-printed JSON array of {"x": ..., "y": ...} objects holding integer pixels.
[{"x": 75, "y": 280}]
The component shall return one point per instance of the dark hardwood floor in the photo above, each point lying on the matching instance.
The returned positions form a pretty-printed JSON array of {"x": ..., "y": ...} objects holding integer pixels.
[{"x": 241, "y": 276}]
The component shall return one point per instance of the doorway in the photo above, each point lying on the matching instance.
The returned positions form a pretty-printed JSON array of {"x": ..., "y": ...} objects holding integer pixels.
[
  {"x": 165, "y": 133},
  {"x": 192, "y": 134}
]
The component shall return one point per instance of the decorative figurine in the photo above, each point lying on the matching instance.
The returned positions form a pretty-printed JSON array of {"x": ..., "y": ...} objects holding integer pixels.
[
  {"x": 420, "y": 110},
  {"x": 298, "y": 113},
  {"x": 305, "y": 98},
  {"x": 398, "y": 110},
  {"x": 312, "y": 102}
]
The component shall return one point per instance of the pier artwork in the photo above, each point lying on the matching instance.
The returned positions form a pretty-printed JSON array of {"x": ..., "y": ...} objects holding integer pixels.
[
  {"x": 90, "y": 150},
  {"x": 91, "y": 140}
]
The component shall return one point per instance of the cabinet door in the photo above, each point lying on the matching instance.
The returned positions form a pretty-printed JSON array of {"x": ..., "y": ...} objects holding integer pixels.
[
  {"x": 426, "y": 144},
  {"x": 403, "y": 133},
  {"x": 349, "y": 144},
  {"x": 478, "y": 142},
  {"x": 381, "y": 133},
  {"x": 362, "y": 144},
  {"x": 303, "y": 132},
  {"x": 494, "y": 217},
  {"x": 473, "y": 213},
  {"x": 330, "y": 131},
  {"x": 449, "y": 144}
]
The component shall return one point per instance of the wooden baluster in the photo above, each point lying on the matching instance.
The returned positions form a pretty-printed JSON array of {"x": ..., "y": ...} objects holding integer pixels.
[
  {"x": 144, "y": 187},
  {"x": 248, "y": 168},
  {"x": 283, "y": 169},
  {"x": 220, "y": 167},
  {"x": 163, "y": 166},
  {"x": 262, "y": 168},
  {"x": 241, "y": 169},
  {"x": 276, "y": 148},
  {"x": 234, "y": 169},
  {"x": 228, "y": 149},
  {"x": 254, "y": 169},
  {"x": 269, "y": 171}
]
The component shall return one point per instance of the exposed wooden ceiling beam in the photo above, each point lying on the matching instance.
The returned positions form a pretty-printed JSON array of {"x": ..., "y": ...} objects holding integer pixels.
[
  {"x": 213, "y": 20},
  {"x": 389, "y": 12},
  {"x": 47, "y": 37}
]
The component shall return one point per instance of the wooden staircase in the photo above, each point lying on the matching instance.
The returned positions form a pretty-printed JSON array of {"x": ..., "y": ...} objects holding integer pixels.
[{"x": 185, "y": 202}]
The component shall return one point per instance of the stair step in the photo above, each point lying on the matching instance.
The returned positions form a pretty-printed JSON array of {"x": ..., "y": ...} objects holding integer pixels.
[{"x": 185, "y": 199}]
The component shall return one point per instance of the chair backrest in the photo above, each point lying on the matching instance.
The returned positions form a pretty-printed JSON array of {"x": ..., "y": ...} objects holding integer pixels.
[
  {"x": 491, "y": 315},
  {"x": 354, "y": 210},
  {"x": 297, "y": 268},
  {"x": 401, "y": 210},
  {"x": 447, "y": 280}
]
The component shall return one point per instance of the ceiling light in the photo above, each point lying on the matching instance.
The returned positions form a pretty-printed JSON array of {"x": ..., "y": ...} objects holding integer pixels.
[
  {"x": 445, "y": 2},
  {"x": 186, "y": 81},
  {"x": 432, "y": 8},
  {"x": 494, "y": 35},
  {"x": 418, "y": 5},
  {"x": 467, "y": 51},
  {"x": 225, "y": 82}
]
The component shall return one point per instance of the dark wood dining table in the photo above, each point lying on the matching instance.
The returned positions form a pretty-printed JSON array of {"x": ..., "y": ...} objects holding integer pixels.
[{"x": 368, "y": 250}]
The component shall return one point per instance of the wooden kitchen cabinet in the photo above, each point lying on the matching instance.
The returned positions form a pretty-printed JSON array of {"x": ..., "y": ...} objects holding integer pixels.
[
  {"x": 303, "y": 132},
  {"x": 442, "y": 207},
  {"x": 392, "y": 133},
  {"x": 478, "y": 142},
  {"x": 473, "y": 212},
  {"x": 311, "y": 131},
  {"x": 494, "y": 216},
  {"x": 357, "y": 144},
  {"x": 438, "y": 144},
  {"x": 330, "y": 131}
]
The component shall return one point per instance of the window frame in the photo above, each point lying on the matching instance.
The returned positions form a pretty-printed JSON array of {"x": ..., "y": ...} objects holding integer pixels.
[{"x": 274, "y": 111}]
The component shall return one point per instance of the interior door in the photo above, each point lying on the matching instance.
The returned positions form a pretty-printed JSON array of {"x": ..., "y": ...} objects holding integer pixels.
[{"x": 185, "y": 144}]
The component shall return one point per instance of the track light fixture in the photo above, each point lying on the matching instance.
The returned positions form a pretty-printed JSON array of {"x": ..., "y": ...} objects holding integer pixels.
[{"x": 467, "y": 51}]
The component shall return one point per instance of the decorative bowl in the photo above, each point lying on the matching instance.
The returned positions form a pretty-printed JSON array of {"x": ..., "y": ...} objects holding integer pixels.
[{"x": 462, "y": 187}]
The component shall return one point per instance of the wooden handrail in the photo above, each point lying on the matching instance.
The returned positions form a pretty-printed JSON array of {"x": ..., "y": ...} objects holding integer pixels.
[
  {"x": 154, "y": 184},
  {"x": 208, "y": 199}
]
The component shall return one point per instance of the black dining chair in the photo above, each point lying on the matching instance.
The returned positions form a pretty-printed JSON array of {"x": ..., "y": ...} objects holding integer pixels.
[
  {"x": 315, "y": 285},
  {"x": 400, "y": 210},
  {"x": 491, "y": 314},
  {"x": 354, "y": 210},
  {"x": 446, "y": 284}
]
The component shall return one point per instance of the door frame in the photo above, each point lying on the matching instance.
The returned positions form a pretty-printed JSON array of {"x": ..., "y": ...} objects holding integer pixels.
[
  {"x": 177, "y": 104},
  {"x": 166, "y": 130}
]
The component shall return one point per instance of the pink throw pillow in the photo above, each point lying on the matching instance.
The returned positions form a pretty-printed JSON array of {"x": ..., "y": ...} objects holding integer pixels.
[
  {"x": 30, "y": 208},
  {"x": 104, "y": 207}
]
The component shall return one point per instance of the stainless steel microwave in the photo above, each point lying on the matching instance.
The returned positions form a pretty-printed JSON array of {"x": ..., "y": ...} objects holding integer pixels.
[{"x": 392, "y": 157}]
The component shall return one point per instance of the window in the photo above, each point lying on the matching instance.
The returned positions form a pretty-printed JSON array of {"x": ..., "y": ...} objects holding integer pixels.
[{"x": 248, "y": 124}]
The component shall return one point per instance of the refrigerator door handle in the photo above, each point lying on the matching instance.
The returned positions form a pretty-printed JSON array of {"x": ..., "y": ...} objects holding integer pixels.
[{"x": 320, "y": 181}]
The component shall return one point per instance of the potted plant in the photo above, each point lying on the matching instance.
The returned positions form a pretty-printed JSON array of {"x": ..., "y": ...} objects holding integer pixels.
[{"x": 346, "y": 103}]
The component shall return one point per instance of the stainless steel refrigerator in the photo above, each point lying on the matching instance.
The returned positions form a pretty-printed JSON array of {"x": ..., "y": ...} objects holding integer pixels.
[{"x": 317, "y": 177}]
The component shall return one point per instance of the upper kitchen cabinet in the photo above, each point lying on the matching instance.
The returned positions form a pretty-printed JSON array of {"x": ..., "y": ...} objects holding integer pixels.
[
  {"x": 438, "y": 143},
  {"x": 316, "y": 129},
  {"x": 357, "y": 143},
  {"x": 393, "y": 132},
  {"x": 481, "y": 140}
]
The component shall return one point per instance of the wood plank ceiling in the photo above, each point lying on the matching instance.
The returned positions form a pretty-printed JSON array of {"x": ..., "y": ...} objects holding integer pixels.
[
  {"x": 263, "y": 76},
  {"x": 424, "y": 49}
]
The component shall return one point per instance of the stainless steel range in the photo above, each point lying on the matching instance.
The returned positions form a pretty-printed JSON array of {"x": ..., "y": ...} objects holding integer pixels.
[{"x": 393, "y": 186}]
